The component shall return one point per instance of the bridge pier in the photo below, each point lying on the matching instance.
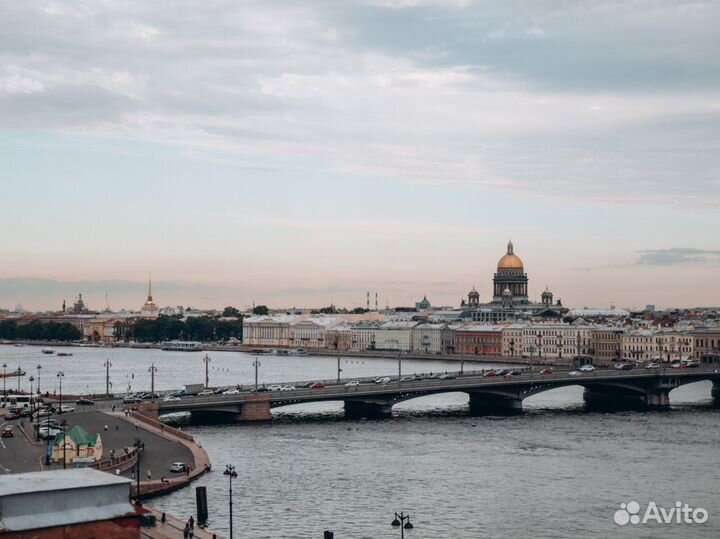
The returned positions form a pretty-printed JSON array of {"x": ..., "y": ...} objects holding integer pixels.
[
  {"x": 659, "y": 398},
  {"x": 597, "y": 399},
  {"x": 715, "y": 392},
  {"x": 489, "y": 403},
  {"x": 255, "y": 408},
  {"x": 356, "y": 408}
]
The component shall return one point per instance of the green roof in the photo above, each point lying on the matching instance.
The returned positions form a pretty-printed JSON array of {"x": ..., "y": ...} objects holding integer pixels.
[{"x": 79, "y": 437}]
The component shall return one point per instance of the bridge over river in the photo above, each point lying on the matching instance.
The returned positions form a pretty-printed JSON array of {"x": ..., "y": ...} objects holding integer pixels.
[{"x": 620, "y": 388}]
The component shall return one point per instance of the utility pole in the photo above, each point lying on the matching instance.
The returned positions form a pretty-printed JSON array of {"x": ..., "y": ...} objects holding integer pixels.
[
  {"x": 152, "y": 370},
  {"x": 107, "y": 377},
  {"x": 60, "y": 376},
  {"x": 207, "y": 361}
]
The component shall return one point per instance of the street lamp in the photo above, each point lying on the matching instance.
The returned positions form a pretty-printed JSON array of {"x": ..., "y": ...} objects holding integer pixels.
[
  {"x": 232, "y": 474},
  {"x": 20, "y": 374},
  {"x": 32, "y": 399},
  {"x": 63, "y": 424},
  {"x": 399, "y": 522},
  {"x": 207, "y": 361},
  {"x": 152, "y": 370},
  {"x": 4, "y": 386},
  {"x": 39, "y": 368},
  {"x": 256, "y": 364},
  {"x": 137, "y": 445},
  {"x": 107, "y": 366},
  {"x": 60, "y": 376}
]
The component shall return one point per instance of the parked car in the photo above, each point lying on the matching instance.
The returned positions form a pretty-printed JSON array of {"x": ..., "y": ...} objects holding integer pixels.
[
  {"x": 66, "y": 409},
  {"x": 25, "y": 412},
  {"x": 49, "y": 432},
  {"x": 382, "y": 380},
  {"x": 84, "y": 402},
  {"x": 178, "y": 467},
  {"x": 586, "y": 368},
  {"x": 287, "y": 388},
  {"x": 317, "y": 385},
  {"x": 7, "y": 432},
  {"x": 490, "y": 373},
  {"x": 352, "y": 383},
  {"x": 11, "y": 415},
  {"x": 546, "y": 371},
  {"x": 44, "y": 412},
  {"x": 49, "y": 423}
]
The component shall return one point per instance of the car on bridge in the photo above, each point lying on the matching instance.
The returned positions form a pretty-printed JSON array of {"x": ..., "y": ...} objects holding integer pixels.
[
  {"x": 274, "y": 387},
  {"x": 233, "y": 391},
  {"x": 206, "y": 393},
  {"x": 503, "y": 372},
  {"x": 382, "y": 380},
  {"x": 317, "y": 385},
  {"x": 410, "y": 378},
  {"x": 575, "y": 373},
  {"x": 352, "y": 383},
  {"x": 586, "y": 368},
  {"x": 287, "y": 388},
  {"x": 447, "y": 376},
  {"x": 490, "y": 373},
  {"x": 624, "y": 366},
  {"x": 546, "y": 371},
  {"x": 132, "y": 400},
  {"x": 171, "y": 398},
  {"x": 652, "y": 365}
]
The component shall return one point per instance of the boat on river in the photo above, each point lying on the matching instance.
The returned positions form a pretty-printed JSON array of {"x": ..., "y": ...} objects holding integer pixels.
[
  {"x": 12, "y": 374},
  {"x": 181, "y": 346},
  {"x": 47, "y": 351}
]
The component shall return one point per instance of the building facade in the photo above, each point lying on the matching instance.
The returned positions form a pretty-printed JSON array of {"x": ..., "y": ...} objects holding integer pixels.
[{"x": 479, "y": 340}]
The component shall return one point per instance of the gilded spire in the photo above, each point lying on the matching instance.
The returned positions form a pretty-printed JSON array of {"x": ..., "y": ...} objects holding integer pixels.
[{"x": 510, "y": 247}]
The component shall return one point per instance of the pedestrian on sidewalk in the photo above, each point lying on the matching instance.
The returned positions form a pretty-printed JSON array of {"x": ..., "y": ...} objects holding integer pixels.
[
  {"x": 113, "y": 407},
  {"x": 117, "y": 427},
  {"x": 149, "y": 475},
  {"x": 137, "y": 426},
  {"x": 191, "y": 521},
  {"x": 186, "y": 531},
  {"x": 105, "y": 428}
]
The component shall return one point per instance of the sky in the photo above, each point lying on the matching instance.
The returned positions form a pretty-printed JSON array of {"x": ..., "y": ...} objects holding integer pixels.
[{"x": 302, "y": 153}]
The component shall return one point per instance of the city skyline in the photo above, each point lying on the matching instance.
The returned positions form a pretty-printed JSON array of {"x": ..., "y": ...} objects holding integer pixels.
[{"x": 305, "y": 154}]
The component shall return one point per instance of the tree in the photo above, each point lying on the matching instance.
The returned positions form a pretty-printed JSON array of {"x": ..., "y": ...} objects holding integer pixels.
[
  {"x": 261, "y": 310},
  {"x": 231, "y": 312}
]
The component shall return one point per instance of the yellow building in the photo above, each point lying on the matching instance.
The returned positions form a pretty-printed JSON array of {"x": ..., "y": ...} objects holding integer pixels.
[{"x": 78, "y": 444}]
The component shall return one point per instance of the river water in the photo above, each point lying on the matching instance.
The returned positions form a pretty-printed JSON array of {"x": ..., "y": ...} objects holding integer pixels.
[{"x": 556, "y": 470}]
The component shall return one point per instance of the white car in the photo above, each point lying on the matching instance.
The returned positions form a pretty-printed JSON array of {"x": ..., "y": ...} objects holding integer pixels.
[
  {"x": 586, "y": 368},
  {"x": 382, "y": 380},
  {"x": 575, "y": 373},
  {"x": 65, "y": 409},
  {"x": 205, "y": 393},
  {"x": 171, "y": 398},
  {"x": 652, "y": 365},
  {"x": 177, "y": 467},
  {"x": 232, "y": 391},
  {"x": 48, "y": 432},
  {"x": 287, "y": 388},
  {"x": 352, "y": 383},
  {"x": 274, "y": 387}
]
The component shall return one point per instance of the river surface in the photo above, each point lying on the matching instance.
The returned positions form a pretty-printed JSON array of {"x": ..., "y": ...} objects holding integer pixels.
[{"x": 556, "y": 470}]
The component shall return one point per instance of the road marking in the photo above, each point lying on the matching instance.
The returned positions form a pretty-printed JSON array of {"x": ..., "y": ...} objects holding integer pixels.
[{"x": 3, "y": 444}]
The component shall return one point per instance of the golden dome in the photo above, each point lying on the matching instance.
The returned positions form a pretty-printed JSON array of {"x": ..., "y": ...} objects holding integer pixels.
[{"x": 510, "y": 260}]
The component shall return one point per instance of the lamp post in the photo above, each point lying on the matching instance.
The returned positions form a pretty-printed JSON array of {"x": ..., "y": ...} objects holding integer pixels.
[
  {"x": 32, "y": 399},
  {"x": 152, "y": 370},
  {"x": 60, "y": 376},
  {"x": 256, "y": 364},
  {"x": 4, "y": 386},
  {"x": 107, "y": 366},
  {"x": 207, "y": 361},
  {"x": 39, "y": 368},
  {"x": 339, "y": 370},
  {"x": 399, "y": 358},
  {"x": 63, "y": 424},
  {"x": 399, "y": 522},
  {"x": 136, "y": 445},
  {"x": 232, "y": 474},
  {"x": 20, "y": 374}
]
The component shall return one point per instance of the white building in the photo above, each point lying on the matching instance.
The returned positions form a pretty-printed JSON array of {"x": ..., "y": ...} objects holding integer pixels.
[
  {"x": 310, "y": 332},
  {"x": 363, "y": 335},
  {"x": 395, "y": 335},
  {"x": 555, "y": 341},
  {"x": 268, "y": 331},
  {"x": 432, "y": 339},
  {"x": 512, "y": 340}
]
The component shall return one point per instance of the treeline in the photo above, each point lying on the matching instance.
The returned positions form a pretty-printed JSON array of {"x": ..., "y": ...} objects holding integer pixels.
[
  {"x": 171, "y": 328},
  {"x": 39, "y": 331}
]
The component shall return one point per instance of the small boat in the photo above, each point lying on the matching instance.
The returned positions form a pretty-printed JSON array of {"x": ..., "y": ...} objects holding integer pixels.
[
  {"x": 64, "y": 354},
  {"x": 47, "y": 351},
  {"x": 181, "y": 346},
  {"x": 18, "y": 344},
  {"x": 298, "y": 352}
]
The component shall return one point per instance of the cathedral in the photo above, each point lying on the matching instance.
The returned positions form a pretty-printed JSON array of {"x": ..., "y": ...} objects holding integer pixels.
[{"x": 510, "y": 296}]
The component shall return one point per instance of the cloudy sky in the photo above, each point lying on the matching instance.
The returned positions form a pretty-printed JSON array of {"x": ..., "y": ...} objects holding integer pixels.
[{"x": 301, "y": 153}]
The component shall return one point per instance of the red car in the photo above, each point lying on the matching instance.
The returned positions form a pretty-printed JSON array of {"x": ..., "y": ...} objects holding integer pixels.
[
  {"x": 490, "y": 373},
  {"x": 8, "y": 432},
  {"x": 317, "y": 385},
  {"x": 546, "y": 371}
]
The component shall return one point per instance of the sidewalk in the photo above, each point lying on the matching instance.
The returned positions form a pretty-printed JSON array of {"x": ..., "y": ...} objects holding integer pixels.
[{"x": 172, "y": 528}]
